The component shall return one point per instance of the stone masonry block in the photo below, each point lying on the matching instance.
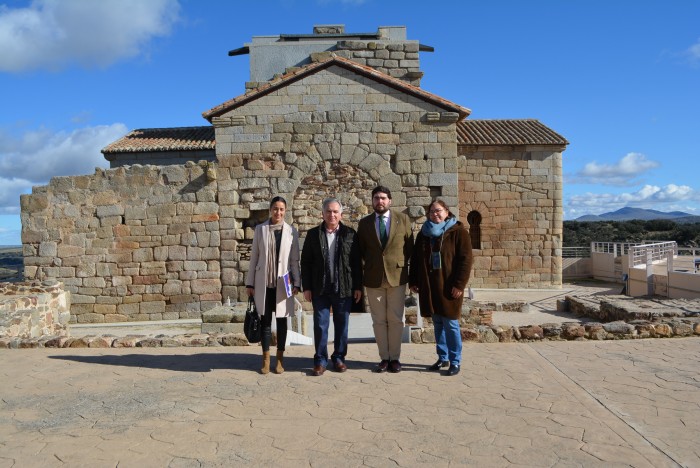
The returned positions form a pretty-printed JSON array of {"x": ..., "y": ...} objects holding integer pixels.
[{"x": 442, "y": 179}]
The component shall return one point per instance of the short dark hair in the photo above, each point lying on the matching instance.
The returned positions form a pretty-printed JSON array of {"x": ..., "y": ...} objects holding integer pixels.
[
  {"x": 382, "y": 189},
  {"x": 276, "y": 199}
]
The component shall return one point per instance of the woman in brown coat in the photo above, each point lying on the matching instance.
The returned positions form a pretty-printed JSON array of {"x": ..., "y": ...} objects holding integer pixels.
[{"x": 440, "y": 267}]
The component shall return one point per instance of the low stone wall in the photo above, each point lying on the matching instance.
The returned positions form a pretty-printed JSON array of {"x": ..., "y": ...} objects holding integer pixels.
[
  {"x": 33, "y": 309},
  {"x": 133, "y": 341},
  {"x": 476, "y": 326},
  {"x": 625, "y": 317},
  {"x": 570, "y": 331},
  {"x": 617, "y": 307}
]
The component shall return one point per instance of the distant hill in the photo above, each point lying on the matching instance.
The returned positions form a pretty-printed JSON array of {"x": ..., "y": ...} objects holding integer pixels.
[
  {"x": 11, "y": 263},
  {"x": 627, "y": 214}
]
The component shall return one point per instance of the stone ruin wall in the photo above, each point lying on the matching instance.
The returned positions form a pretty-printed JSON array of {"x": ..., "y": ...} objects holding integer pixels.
[
  {"x": 518, "y": 194},
  {"x": 33, "y": 309},
  {"x": 167, "y": 242},
  {"x": 142, "y": 243}
]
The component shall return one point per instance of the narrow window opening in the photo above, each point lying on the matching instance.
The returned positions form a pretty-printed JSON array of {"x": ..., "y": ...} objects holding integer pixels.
[{"x": 474, "y": 220}]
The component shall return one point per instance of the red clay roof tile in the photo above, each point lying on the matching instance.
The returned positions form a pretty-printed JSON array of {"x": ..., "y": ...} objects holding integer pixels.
[
  {"x": 507, "y": 132},
  {"x": 164, "y": 139}
]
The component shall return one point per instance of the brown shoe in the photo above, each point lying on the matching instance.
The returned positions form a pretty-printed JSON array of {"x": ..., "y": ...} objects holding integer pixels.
[
  {"x": 319, "y": 370},
  {"x": 339, "y": 366},
  {"x": 382, "y": 367},
  {"x": 394, "y": 366}
]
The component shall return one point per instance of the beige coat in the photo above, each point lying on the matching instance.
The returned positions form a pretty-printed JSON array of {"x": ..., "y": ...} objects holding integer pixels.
[{"x": 288, "y": 261}]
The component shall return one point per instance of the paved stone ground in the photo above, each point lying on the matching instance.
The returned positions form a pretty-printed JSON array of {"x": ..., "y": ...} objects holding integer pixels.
[{"x": 612, "y": 403}]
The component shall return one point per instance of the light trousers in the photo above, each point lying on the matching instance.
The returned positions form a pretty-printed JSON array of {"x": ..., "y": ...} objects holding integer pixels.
[{"x": 386, "y": 304}]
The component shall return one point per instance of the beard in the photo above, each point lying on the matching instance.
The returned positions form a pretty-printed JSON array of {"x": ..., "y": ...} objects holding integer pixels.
[{"x": 381, "y": 210}]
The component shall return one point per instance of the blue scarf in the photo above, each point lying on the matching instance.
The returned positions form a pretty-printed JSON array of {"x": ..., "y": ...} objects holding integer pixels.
[{"x": 431, "y": 229}]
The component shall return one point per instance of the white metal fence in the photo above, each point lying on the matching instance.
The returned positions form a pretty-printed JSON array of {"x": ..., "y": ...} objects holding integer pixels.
[
  {"x": 576, "y": 252},
  {"x": 650, "y": 253},
  {"x": 617, "y": 248}
]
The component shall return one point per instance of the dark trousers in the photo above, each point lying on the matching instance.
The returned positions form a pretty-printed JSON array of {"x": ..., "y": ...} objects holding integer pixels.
[
  {"x": 270, "y": 303},
  {"x": 341, "y": 318}
]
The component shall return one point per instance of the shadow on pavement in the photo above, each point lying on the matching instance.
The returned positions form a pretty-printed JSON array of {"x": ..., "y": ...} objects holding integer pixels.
[{"x": 207, "y": 362}]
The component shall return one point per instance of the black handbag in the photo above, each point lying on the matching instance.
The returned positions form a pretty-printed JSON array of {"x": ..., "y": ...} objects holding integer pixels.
[{"x": 252, "y": 326}]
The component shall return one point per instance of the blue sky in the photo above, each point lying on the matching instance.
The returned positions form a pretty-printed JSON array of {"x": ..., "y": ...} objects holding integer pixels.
[{"x": 619, "y": 79}]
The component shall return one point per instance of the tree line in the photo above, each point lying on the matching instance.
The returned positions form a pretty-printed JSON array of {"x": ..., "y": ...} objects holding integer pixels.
[{"x": 582, "y": 233}]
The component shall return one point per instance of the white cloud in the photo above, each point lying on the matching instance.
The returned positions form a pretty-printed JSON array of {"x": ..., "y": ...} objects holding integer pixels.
[
  {"x": 51, "y": 34},
  {"x": 41, "y": 154},
  {"x": 669, "y": 198},
  {"x": 622, "y": 173},
  {"x": 10, "y": 190},
  {"x": 693, "y": 52}
]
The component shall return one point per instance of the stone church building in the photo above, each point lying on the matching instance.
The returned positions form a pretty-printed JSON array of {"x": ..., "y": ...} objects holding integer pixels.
[{"x": 165, "y": 233}]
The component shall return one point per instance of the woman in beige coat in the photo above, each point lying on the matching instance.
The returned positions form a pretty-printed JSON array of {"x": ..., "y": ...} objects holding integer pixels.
[{"x": 273, "y": 277}]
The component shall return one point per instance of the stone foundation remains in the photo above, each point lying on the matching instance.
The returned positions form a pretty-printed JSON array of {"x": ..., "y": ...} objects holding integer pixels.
[
  {"x": 224, "y": 324},
  {"x": 33, "y": 309}
]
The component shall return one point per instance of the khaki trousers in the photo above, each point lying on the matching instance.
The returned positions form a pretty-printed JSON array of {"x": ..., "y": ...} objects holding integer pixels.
[{"x": 386, "y": 305}]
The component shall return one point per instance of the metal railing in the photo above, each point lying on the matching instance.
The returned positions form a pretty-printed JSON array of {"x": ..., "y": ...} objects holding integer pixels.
[
  {"x": 646, "y": 253},
  {"x": 575, "y": 252},
  {"x": 617, "y": 248},
  {"x": 688, "y": 260}
]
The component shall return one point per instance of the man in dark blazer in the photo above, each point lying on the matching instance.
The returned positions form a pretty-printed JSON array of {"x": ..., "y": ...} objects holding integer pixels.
[
  {"x": 331, "y": 277},
  {"x": 386, "y": 243}
]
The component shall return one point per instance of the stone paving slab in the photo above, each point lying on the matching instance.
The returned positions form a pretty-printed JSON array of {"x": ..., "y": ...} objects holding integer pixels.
[{"x": 614, "y": 403}]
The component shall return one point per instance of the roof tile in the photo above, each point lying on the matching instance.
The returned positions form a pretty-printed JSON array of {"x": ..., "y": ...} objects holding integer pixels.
[
  {"x": 469, "y": 132},
  {"x": 507, "y": 132},
  {"x": 164, "y": 139}
]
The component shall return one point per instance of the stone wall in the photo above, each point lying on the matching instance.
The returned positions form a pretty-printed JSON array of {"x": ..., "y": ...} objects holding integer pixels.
[
  {"x": 518, "y": 196},
  {"x": 159, "y": 157},
  {"x": 397, "y": 59},
  {"x": 130, "y": 244},
  {"x": 333, "y": 133},
  {"x": 33, "y": 309}
]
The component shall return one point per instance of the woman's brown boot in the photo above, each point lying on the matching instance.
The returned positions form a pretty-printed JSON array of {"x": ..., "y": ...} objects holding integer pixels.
[
  {"x": 280, "y": 360},
  {"x": 266, "y": 363}
]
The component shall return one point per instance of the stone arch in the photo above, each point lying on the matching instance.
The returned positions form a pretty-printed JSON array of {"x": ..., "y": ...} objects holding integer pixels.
[{"x": 350, "y": 184}]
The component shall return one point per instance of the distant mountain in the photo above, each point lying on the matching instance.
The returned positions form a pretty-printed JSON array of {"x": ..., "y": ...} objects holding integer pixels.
[
  {"x": 627, "y": 213},
  {"x": 688, "y": 220}
]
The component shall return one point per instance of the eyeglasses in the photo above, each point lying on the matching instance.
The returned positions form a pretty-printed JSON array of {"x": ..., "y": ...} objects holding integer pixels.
[{"x": 440, "y": 210}]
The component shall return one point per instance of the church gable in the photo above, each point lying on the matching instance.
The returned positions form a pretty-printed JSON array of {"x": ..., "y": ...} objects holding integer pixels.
[
  {"x": 340, "y": 119},
  {"x": 313, "y": 74}
]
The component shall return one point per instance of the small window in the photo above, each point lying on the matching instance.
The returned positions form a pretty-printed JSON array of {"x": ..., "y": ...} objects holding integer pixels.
[{"x": 474, "y": 220}]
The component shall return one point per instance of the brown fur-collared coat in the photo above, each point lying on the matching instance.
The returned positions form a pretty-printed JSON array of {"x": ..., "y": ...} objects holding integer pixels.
[{"x": 435, "y": 286}]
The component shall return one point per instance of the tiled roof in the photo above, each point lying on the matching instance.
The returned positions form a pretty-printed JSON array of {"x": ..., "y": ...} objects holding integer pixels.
[
  {"x": 314, "y": 67},
  {"x": 507, "y": 132},
  {"x": 164, "y": 139},
  {"x": 469, "y": 132}
]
